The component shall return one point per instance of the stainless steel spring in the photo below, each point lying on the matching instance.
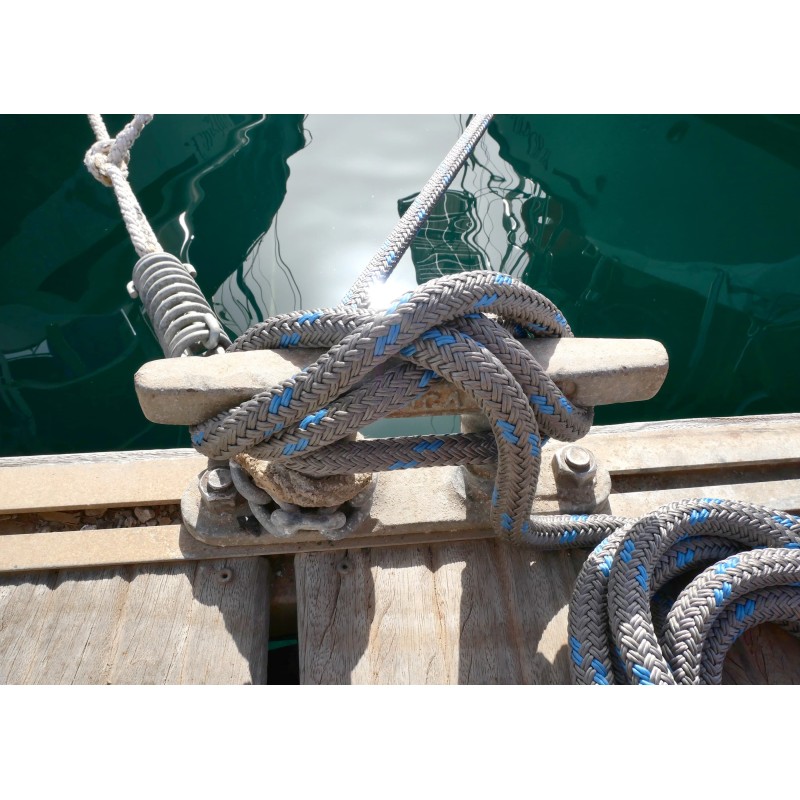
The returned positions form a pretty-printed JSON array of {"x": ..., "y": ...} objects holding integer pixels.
[{"x": 182, "y": 319}]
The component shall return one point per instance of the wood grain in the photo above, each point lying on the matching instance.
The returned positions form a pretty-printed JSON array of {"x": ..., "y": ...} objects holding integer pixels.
[
  {"x": 478, "y": 612},
  {"x": 178, "y": 623},
  {"x": 474, "y": 613}
]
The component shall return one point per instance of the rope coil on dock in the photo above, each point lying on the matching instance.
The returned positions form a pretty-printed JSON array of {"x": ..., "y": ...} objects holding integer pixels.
[{"x": 613, "y": 636}]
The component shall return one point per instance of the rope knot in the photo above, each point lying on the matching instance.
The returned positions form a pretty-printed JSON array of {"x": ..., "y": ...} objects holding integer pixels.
[{"x": 102, "y": 157}]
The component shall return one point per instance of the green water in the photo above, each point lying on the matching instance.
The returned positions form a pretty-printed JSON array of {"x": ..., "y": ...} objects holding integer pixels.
[{"x": 678, "y": 228}]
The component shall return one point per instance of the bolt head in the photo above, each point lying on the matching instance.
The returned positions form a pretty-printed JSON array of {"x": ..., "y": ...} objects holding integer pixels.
[
  {"x": 574, "y": 466},
  {"x": 219, "y": 479},
  {"x": 578, "y": 459}
]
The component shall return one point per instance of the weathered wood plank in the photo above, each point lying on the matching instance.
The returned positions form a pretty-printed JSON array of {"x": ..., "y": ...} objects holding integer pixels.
[
  {"x": 765, "y": 654},
  {"x": 478, "y": 612},
  {"x": 179, "y": 623},
  {"x": 470, "y": 613},
  {"x": 186, "y": 391},
  {"x": 44, "y": 483}
]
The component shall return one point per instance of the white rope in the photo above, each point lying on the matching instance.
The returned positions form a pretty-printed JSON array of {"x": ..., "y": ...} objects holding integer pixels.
[{"x": 107, "y": 159}]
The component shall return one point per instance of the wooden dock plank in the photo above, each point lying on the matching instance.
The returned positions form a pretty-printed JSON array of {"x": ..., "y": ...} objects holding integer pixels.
[
  {"x": 177, "y": 623},
  {"x": 476, "y": 612},
  {"x": 96, "y": 480}
]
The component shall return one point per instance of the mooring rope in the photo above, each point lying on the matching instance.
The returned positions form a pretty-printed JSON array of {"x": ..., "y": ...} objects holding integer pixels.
[
  {"x": 440, "y": 332},
  {"x": 612, "y": 633},
  {"x": 466, "y": 329},
  {"x": 183, "y": 321}
]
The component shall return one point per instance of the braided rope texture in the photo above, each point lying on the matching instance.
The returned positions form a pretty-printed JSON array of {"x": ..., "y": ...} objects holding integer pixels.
[
  {"x": 380, "y": 361},
  {"x": 614, "y": 634},
  {"x": 107, "y": 160}
]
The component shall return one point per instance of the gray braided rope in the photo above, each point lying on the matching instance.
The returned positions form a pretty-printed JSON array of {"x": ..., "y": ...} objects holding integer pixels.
[
  {"x": 439, "y": 330},
  {"x": 107, "y": 160},
  {"x": 612, "y": 634}
]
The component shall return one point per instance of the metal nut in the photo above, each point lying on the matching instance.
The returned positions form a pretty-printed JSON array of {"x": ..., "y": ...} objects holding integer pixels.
[
  {"x": 219, "y": 479},
  {"x": 575, "y": 465},
  {"x": 217, "y": 489}
]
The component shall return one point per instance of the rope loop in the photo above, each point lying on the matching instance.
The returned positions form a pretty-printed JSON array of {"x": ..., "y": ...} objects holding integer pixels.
[
  {"x": 379, "y": 361},
  {"x": 99, "y": 160}
]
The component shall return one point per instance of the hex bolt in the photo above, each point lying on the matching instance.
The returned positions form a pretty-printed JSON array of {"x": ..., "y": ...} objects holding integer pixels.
[
  {"x": 219, "y": 479},
  {"x": 574, "y": 466},
  {"x": 578, "y": 459}
]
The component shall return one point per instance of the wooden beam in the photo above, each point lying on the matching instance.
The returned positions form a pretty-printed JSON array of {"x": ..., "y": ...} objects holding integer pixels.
[
  {"x": 96, "y": 480},
  {"x": 750, "y": 459}
]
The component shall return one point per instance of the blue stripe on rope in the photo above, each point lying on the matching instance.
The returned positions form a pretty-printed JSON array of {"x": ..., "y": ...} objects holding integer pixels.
[
  {"x": 312, "y": 316},
  {"x": 438, "y": 337},
  {"x": 605, "y": 567},
  {"x": 508, "y": 431},
  {"x": 627, "y": 549},
  {"x": 404, "y": 465},
  {"x": 400, "y": 300},
  {"x": 643, "y": 674},
  {"x": 503, "y": 279},
  {"x": 426, "y": 378},
  {"x": 723, "y": 566},
  {"x": 313, "y": 418},
  {"x": 641, "y": 577},
  {"x": 600, "y": 673},
  {"x": 698, "y": 516},
  {"x": 507, "y": 522},
  {"x": 541, "y": 402},
  {"x": 685, "y": 557},
  {"x": 486, "y": 300},
  {"x": 723, "y": 593},
  {"x": 295, "y": 448},
  {"x": 745, "y": 610},
  {"x": 422, "y": 446}
]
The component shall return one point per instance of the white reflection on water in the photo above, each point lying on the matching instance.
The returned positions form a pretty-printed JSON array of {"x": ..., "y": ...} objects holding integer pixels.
[{"x": 342, "y": 200}]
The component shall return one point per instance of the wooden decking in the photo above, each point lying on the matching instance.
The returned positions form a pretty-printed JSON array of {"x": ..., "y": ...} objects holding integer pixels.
[
  {"x": 459, "y": 608},
  {"x": 195, "y": 622}
]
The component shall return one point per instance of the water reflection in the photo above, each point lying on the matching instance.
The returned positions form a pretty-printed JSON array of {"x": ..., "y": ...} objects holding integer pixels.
[{"x": 676, "y": 228}]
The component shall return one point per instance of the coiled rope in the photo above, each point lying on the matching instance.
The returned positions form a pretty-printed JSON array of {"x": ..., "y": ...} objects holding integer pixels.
[{"x": 622, "y": 628}]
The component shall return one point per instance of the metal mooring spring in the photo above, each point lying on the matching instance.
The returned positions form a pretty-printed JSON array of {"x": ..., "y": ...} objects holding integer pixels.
[{"x": 182, "y": 319}]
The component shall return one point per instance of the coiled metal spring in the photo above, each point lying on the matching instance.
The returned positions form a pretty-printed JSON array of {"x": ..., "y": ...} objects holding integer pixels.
[{"x": 182, "y": 319}]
